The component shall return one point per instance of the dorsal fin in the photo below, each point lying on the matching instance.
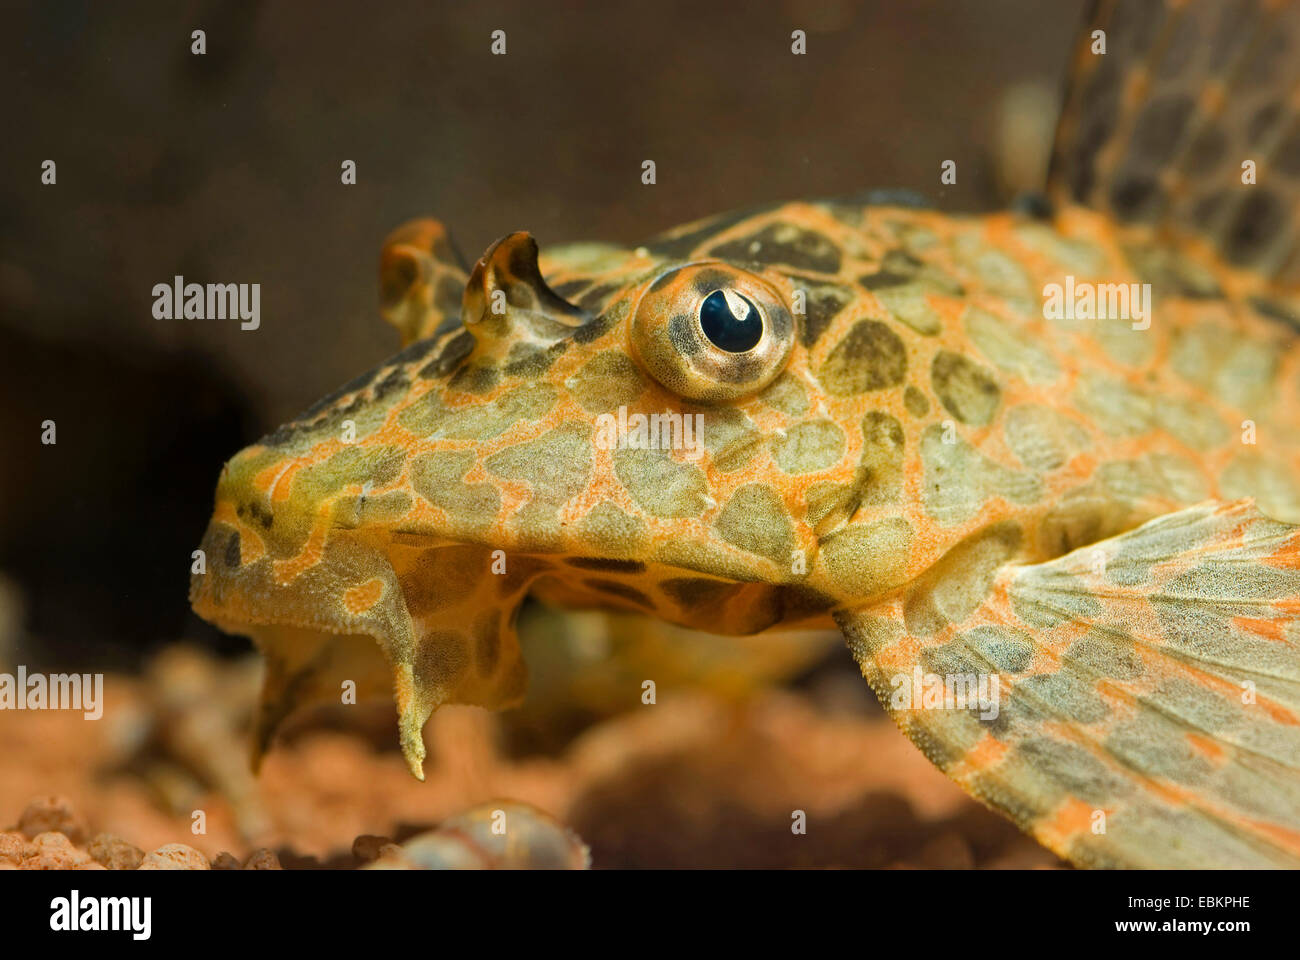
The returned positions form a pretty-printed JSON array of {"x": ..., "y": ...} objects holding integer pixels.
[
  {"x": 1156, "y": 129},
  {"x": 421, "y": 279}
]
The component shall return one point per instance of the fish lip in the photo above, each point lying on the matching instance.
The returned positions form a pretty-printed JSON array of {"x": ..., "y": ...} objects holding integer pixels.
[{"x": 237, "y": 596}]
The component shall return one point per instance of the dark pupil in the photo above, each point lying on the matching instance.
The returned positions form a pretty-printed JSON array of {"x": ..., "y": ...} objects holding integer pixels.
[{"x": 728, "y": 331}]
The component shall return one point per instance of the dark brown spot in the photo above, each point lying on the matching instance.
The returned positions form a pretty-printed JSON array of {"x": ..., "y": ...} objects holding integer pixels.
[
  {"x": 597, "y": 327},
  {"x": 1275, "y": 310},
  {"x": 896, "y": 267},
  {"x": 693, "y": 592},
  {"x": 822, "y": 302},
  {"x": 684, "y": 241},
  {"x": 1262, "y": 122},
  {"x": 870, "y": 357},
  {"x": 880, "y": 474},
  {"x": 607, "y": 564},
  {"x": 1207, "y": 151},
  {"x": 594, "y": 300},
  {"x": 662, "y": 281},
  {"x": 1286, "y": 159},
  {"x": 1158, "y": 130},
  {"x": 456, "y": 350},
  {"x": 570, "y": 288},
  {"x": 967, "y": 390},
  {"x": 477, "y": 378},
  {"x": 615, "y": 589},
  {"x": 798, "y": 602},
  {"x": 232, "y": 555},
  {"x": 254, "y": 510},
  {"x": 1257, "y": 222},
  {"x": 441, "y": 576},
  {"x": 915, "y": 401},
  {"x": 531, "y": 361},
  {"x": 1132, "y": 196},
  {"x": 440, "y": 658},
  {"x": 784, "y": 244},
  {"x": 395, "y": 382},
  {"x": 487, "y": 643}
]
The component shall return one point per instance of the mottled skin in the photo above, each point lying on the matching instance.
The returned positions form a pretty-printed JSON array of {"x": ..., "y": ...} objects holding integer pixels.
[{"x": 909, "y": 462}]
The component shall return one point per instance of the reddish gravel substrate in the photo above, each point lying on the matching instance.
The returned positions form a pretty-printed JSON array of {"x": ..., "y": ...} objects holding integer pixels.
[{"x": 691, "y": 783}]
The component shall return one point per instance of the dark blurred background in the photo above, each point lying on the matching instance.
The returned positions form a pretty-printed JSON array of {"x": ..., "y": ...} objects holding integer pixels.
[{"x": 226, "y": 168}]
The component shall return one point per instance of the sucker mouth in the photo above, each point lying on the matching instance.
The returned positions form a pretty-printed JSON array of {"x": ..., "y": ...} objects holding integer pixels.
[{"x": 428, "y": 624}]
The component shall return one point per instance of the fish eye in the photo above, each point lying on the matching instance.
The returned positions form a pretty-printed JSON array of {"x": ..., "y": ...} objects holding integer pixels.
[
  {"x": 730, "y": 321},
  {"x": 711, "y": 332}
]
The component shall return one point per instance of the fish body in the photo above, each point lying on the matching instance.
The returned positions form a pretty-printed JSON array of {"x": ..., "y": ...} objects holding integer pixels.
[{"x": 1050, "y": 458}]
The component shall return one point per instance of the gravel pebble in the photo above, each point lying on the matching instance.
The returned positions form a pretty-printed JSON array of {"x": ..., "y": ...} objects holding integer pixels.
[
  {"x": 262, "y": 859},
  {"x": 14, "y": 847},
  {"x": 367, "y": 846},
  {"x": 51, "y": 813},
  {"x": 54, "y": 851},
  {"x": 115, "y": 853},
  {"x": 175, "y": 856}
]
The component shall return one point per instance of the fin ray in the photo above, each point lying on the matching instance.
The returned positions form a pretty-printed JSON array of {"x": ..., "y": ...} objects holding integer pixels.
[
  {"x": 1147, "y": 711},
  {"x": 1155, "y": 129}
]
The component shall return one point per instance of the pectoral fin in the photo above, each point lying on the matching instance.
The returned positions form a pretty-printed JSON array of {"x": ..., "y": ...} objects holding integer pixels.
[{"x": 1141, "y": 705}]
